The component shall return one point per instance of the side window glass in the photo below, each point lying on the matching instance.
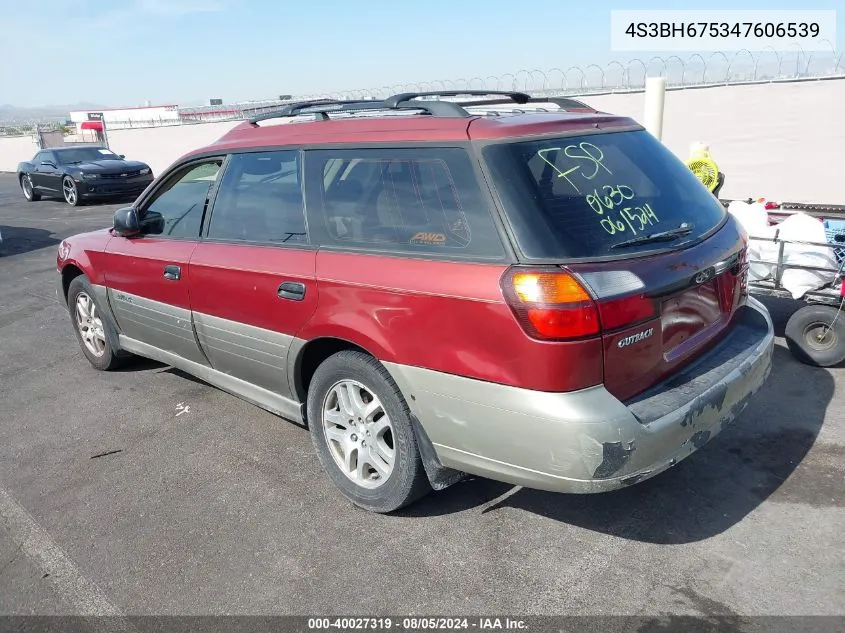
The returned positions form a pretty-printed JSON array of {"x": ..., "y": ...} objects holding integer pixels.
[
  {"x": 412, "y": 200},
  {"x": 177, "y": 208},
  {"x": 260, "y": 200}
]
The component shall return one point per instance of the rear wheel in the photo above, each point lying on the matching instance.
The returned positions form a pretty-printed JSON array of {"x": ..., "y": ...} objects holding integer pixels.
[
  {"x": 816, "y": 336},
  {"x": 28, "y": 190},
  {"x": 70, "y": 191},
  {"x": 361, "y": 429}
]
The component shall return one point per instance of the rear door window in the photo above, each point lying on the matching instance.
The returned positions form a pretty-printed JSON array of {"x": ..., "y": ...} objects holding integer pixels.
[
  {"x": 422, "y": 200},
  {"x": 582, "y": 196}
]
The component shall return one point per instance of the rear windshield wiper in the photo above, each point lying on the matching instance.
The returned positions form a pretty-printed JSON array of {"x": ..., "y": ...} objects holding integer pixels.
[{"x": 665, "y": 236}]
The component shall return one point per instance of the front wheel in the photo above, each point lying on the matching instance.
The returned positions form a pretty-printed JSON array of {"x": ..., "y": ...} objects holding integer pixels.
[
  {"x": 70, "y": 191},
  {"x": 92, "y": 330},
  {"x": 361, "y": 429},
  {"x": 816, "y": 335},
  {"x": 28, "y": 189}
]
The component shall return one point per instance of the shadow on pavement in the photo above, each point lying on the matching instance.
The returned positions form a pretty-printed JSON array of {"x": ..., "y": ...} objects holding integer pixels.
[
  {"x": 751, "y": 461},
  {"x": 21, "y": 239}
]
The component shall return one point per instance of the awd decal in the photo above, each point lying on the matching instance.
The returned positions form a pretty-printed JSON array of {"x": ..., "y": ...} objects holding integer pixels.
[
  {"x": 636, "y": 338},
  {"x": 429, "y": 238}
]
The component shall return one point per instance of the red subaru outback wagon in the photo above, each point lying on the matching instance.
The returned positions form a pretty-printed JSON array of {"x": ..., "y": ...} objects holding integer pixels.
[{"x": 439, "y": 286}]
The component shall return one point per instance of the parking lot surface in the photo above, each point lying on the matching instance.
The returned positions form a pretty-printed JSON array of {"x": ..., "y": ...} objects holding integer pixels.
[{"x": 145, "y": 491}]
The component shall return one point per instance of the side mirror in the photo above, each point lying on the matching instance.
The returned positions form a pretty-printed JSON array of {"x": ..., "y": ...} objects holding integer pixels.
[
  {"x": 125, "y": 222},
  {"x": 122, "y": 156}
]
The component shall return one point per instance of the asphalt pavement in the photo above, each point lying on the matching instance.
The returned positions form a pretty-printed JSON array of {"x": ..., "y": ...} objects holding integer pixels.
[{"x": 145, "y": 491}]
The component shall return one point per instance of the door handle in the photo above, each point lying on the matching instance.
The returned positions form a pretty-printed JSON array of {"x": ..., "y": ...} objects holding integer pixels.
[
  {"x": 172, "y": 272},
  {"x": 292, "y": 290}
]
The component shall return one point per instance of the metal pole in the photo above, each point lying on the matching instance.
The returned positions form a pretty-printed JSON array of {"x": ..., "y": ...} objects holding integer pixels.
[{"x": 655, "y": 93}]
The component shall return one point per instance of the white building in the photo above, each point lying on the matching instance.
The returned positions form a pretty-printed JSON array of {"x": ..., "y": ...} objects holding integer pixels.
[{"x": 119, "y": 118}]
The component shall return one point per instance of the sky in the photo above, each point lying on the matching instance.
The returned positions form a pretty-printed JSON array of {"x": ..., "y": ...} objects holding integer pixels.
[{"x": 125, "y": 52}]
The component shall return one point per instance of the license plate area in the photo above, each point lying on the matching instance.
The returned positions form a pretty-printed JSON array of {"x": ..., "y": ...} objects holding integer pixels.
[{"x": 689, "y": 317}]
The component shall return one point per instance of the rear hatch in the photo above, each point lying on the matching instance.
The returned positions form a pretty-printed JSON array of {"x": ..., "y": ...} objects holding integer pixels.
[{"x": 661, "y": 259}]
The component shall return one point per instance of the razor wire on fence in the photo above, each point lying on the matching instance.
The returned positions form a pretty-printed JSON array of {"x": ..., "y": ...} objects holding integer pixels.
[{"x": 696, "y": 71}]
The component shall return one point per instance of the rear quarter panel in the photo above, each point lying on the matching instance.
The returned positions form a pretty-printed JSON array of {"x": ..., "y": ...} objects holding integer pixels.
[{"x": 445, "y": 316}]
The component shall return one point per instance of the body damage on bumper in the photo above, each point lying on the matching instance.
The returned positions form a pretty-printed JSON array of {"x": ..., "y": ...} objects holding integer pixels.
[{"x": 589, "y": 441}]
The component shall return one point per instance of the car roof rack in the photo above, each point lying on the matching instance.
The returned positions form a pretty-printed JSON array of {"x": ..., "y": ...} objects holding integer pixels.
[
  {"x": 564, "y": 103},
  {"x": 410, "y": 101},
  {"x": 516, "y": 97},
  {"x": 321, "y": 109},
  {"x": 290, "y": 108}
]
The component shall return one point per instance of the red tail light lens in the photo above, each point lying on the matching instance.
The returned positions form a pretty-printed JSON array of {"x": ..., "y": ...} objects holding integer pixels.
[
  {"x": 565, "y": 322},
  {"x": 550, "y": 304},
  {"x": 617, "y": 313},
  {"x": 733, "y": 283}
]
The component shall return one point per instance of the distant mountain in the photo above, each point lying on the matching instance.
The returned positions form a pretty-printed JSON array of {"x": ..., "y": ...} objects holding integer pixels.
[{"x": 10, "y": 113}]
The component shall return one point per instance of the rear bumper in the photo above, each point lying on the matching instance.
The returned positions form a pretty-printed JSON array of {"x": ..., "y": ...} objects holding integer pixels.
[{"x": 588, "y": 441}]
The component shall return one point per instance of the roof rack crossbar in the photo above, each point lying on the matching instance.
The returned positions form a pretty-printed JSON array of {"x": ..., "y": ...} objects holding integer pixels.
[
  {"x": 322, "y": 108},
  {"x": 516, "y": 97},
  {"x": 290, "y": 108},
  {"x": 564, "y": 103}
]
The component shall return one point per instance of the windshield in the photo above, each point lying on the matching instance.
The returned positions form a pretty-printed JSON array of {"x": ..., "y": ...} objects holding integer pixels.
[
  {"x": 582, "y": 196},
  {"x": 85, "y": 154}
]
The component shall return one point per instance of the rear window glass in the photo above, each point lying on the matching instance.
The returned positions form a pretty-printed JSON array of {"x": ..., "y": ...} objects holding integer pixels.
[{"x": 581, "y": 196}]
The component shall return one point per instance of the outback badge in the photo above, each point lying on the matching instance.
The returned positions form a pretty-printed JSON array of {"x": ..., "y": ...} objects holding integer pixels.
[{"x": 635, "y": 338}]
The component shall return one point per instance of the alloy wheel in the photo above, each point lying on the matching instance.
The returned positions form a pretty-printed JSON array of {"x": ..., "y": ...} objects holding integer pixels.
[
  {"x": 69, "y": 189},
  {"x": 359, "y": 434},
  {"x": 90, "y": 325}
]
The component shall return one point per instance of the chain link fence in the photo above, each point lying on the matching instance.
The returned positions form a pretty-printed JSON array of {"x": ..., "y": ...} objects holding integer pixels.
[{"x": 694, "y": 71}]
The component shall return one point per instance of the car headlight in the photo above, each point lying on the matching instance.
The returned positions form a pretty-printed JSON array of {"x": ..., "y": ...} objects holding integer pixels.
[
  {"x": 90, "y": 176},
  {"x": 145, "y": 171}
]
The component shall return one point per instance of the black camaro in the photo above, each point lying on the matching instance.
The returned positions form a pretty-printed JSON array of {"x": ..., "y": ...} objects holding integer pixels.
[{"x": 77, "y": 173}]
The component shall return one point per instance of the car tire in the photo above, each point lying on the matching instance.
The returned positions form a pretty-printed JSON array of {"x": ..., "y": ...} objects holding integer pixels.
[
  {"x": 386, "y": 475},
  {"x": 28, "y": 191},
  {"x": 70, "y": 191},
  {"x": 816, "y": 335},
  {"x": 94, "y": 333}
]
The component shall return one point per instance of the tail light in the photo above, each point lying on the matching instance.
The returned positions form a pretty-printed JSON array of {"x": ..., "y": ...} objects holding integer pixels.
[
  {"x": 555, "y": 304},
  {"x": 732, "y": 283}
]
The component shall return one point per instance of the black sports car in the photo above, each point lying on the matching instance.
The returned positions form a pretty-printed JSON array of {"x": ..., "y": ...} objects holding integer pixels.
[{"x": 77, "y": 173}]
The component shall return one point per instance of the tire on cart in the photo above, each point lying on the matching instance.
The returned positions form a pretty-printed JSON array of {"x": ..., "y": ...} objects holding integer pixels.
[{"x": 815, "y": 335}]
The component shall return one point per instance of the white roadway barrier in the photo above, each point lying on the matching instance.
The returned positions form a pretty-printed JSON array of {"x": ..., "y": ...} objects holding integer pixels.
[
  {"x": 782, "y": 141},
  {"x": 160, "y": 146},
  {"x": 16, "y": 149}
]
